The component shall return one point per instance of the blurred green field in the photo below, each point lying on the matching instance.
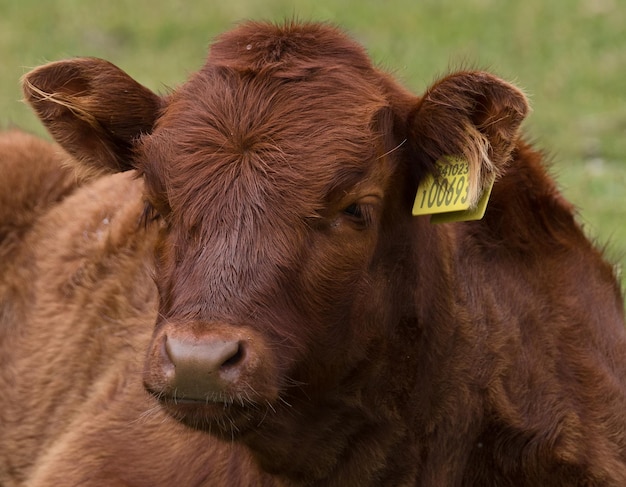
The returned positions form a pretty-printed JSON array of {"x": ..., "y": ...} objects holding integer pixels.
[{"x": 568, "y": 55}]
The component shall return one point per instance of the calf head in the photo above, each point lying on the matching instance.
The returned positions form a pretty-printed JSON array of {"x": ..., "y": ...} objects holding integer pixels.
[{"x": 282, "y": 175}]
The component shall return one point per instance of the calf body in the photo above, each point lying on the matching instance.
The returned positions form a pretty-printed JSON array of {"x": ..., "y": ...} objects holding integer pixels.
[{"x": 250, "y": 301}]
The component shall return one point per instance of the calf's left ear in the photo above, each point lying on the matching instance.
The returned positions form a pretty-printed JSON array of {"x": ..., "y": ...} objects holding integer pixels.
[
  {"x": 93, "y": 109},
  {"x": 470, "y": 115}
]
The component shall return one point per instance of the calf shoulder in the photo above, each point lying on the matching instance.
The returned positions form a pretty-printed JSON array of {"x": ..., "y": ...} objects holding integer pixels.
[{"x": 548, "y": 312}]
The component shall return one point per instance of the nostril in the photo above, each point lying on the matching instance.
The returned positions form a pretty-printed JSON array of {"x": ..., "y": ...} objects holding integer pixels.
[{"x": 235, "y": 358}]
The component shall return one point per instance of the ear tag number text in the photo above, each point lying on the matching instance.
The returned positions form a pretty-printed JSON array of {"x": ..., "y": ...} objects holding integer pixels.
[{"x": 446, "y": 197}]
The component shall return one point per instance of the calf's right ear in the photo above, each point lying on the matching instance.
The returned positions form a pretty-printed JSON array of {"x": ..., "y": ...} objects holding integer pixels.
[{"x": 93, "y": 109}]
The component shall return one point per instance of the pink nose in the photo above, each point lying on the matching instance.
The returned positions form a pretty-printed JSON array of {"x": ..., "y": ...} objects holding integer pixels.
[{"x": 203, "y": 368}]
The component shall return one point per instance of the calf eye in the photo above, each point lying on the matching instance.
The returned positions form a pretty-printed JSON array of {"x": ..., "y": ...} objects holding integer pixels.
[
  {"x": 149, "y": 214},
  {"x": 359, "y": 213},
  {"x": 354, "y": 210}
]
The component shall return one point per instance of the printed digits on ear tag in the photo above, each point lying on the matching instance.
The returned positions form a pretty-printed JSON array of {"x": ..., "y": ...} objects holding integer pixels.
[
  {"x": 446, "y": 192},
  {"x": 445, "y": 195}
]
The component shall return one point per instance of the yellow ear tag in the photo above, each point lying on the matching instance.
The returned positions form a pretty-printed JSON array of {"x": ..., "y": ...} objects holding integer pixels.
[{"x": 445, "y": 198}]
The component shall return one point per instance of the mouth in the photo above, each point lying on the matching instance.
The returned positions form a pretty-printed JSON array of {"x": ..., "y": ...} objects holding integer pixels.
[{"x": 227, "y": 418}]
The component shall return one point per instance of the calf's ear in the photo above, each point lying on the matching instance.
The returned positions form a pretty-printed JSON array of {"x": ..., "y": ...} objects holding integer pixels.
[
  {"x": 473, "y": 116},
  {"x": 93, "y": 109}
]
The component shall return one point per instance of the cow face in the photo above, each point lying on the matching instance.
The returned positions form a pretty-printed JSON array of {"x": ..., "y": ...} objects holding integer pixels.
[
  {"x": 282, "y": 176},
  {"x": 271, "y": 198}
]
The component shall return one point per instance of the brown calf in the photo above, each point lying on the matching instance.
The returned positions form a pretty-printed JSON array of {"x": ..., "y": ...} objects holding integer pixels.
[{"x": 244, "y": 250}]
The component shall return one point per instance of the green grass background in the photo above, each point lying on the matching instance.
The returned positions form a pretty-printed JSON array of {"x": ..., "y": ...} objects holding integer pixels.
[{"x": 568, "y": 55}]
